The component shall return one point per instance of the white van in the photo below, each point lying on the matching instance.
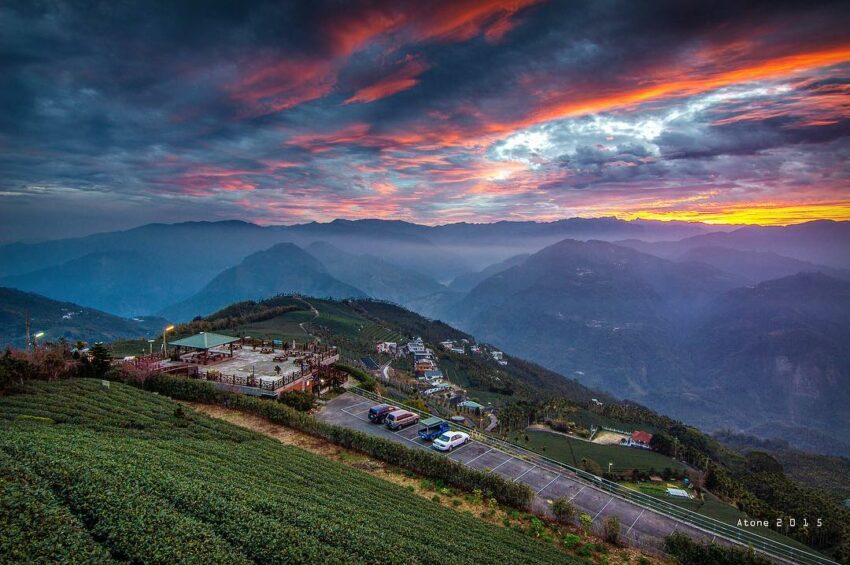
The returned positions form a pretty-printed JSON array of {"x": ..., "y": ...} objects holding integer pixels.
[{"x": 401, "y": 419}]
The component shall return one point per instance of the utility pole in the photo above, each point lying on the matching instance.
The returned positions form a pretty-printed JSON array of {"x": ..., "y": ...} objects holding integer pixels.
[{"x": 29, "y": 339}]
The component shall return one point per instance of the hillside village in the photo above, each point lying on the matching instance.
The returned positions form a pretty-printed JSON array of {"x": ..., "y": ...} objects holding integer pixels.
[{"x": 432, "y": 383}]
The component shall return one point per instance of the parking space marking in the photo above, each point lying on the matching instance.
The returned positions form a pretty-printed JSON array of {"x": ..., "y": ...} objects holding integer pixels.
[
  {"x": 635, "y": 522},
  {"x": 523, "y": 474},
  {"x": 360, "y": 403},
  {"x": 603, "y": 508},
  {"x": 410, "y": 439},
  {"x": 502, "y": 463},
  {"x": 578, "y": 491},
  {"x": 468, "y": 463},
  {"x": 558, "y": 476},
  {"x": 456, "y": 449},
  {"x": 354, "y": 415}
]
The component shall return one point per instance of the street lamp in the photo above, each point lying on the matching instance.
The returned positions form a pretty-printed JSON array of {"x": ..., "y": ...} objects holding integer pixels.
[
  {"x": 35, "y": 338},
  {"x": 609, "y": 466},
  {"x": 165, "y": 341}
]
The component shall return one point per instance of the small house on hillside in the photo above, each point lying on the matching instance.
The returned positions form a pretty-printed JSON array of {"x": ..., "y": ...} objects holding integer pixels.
[
  {"x": 434, "y": 375},
  {"x": 640, "y": 439}
]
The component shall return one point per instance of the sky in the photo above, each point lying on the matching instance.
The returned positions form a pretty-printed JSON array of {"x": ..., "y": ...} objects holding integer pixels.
[{"x": 116, "y": 114}]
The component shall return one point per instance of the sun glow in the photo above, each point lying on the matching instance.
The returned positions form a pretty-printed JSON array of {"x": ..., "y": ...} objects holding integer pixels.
[{"x": 747, "y": 214}]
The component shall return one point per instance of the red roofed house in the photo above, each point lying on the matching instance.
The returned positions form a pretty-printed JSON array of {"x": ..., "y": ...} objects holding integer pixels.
[{"x": 640, "y": 439}]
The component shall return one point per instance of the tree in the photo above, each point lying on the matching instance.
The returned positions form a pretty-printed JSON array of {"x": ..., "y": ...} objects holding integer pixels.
[
  {"x": 612, "y": 529},
  {"x": 101, "y": 360},
  {"x": 586, "y": 522},
  {"x": 564, "y": 510}
]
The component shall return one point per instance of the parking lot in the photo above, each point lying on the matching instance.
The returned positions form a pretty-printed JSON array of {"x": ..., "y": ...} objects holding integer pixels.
[{"x": 640, "y": 526}]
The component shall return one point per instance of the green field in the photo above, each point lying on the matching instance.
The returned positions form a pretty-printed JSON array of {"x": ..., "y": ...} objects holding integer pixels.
[
  {"x": 557, "y": 447},
  {"x": 97, "y": 474}
]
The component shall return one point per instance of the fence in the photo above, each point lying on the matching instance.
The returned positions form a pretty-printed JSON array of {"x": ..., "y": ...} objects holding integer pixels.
[{"x": 771, "y": 548}]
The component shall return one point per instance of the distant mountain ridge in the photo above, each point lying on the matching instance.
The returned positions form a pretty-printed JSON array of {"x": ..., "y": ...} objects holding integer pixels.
[
  {"x": 757, "y": 266},
  {"x": 64, "y": 320},
  {"x": 684, "y": 338},
  {"x": 824, "y": 242},
  {"x": 374, "y": 276},
  {"x": 122, "y": 282},
  {"x": 186, "y": 256},
  {"x": 282, "y": 269}
]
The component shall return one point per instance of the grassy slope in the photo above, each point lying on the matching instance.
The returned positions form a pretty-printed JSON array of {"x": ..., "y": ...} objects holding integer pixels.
[
  {"x": 121, "y": 472},
  {"x": 556, "y": 446}
]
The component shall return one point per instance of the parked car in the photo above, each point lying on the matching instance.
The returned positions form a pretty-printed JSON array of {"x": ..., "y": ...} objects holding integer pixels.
[
  {"x": 433, "y": 427},
  {"x": 449, "y": 440},
  {"x": 377, "y": 414},
  {"x": 399, "y": 419}
]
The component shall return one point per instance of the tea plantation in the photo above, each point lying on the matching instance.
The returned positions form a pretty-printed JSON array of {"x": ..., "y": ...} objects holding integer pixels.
[{"x": 96, "y": 474}]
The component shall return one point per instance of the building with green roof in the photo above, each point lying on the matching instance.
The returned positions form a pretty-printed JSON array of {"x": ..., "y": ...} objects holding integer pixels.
[{"x": 204, "y": 341}]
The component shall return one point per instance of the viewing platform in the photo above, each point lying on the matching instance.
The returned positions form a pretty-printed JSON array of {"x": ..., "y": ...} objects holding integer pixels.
[{"x": 258, "y": 367}]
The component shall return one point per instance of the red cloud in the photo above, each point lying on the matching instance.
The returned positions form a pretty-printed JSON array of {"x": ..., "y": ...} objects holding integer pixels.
[
  {"x": 276, "y": 85},
  {"x": 399, "y": 80}
]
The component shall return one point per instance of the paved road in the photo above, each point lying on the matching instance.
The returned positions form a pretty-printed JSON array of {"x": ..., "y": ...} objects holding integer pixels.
[{"x": 642, "y": 528}]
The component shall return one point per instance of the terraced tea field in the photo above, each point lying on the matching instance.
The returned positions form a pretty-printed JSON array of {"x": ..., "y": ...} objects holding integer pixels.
[{"x": 90, "y": 473}]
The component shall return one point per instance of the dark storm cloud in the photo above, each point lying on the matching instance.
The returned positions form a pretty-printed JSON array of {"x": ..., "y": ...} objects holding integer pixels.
[{"x": 426, "y": 111}]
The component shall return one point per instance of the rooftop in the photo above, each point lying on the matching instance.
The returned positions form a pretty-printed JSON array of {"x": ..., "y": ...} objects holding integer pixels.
[{"x": 204, "y": 340}]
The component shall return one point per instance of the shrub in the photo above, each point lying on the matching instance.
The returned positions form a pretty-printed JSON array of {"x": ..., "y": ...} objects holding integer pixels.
[
  {"x": 564, "y": 510},
  {"x": 367, "y": 381},
  {"x": 612, "y": 529},
  {"x": 571, "y": 541},
  {"x": 586, "y": 522},
  {"x": 686, "y": 550},
  {"x": 301, "y": 401}
]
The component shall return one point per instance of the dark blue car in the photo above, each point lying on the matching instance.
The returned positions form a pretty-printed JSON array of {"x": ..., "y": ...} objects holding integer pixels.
[
  {"x": 433, "y": 427},
  {"x": 377, "y": 414}
]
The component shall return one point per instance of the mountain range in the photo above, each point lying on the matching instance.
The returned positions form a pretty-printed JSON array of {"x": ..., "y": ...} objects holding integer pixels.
[
  {"x": 682, "y": 337},
  {"x": 700, "y": 322},
  {"x": 60, "y": 320}
]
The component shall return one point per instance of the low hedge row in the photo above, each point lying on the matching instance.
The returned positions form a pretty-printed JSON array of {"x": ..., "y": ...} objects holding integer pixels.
[
  {"x": 419, "y": 461},
  {"x": 687, "y": 551}
]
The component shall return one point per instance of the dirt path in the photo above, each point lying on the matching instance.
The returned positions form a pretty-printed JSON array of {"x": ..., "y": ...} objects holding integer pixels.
[
  {"x": 258, "y": 424},
  {"x": 315, "y": 315}
]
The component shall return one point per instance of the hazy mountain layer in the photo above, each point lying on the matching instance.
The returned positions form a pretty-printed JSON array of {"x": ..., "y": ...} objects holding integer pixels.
[
  {"x": 64, "y": 320},
  {"x": 284, "y": 268},
  {"x": 676, "y": 336}
]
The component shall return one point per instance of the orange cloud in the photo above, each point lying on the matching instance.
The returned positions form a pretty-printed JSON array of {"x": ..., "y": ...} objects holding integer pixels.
[
  {"x": 402, "y": 79},
  {"x": 274, "y": 86},
  {"x": 675, "y": 83}
]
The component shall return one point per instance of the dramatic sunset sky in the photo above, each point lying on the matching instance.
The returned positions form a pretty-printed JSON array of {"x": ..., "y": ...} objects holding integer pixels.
[{"x": 116, "y": 114}]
